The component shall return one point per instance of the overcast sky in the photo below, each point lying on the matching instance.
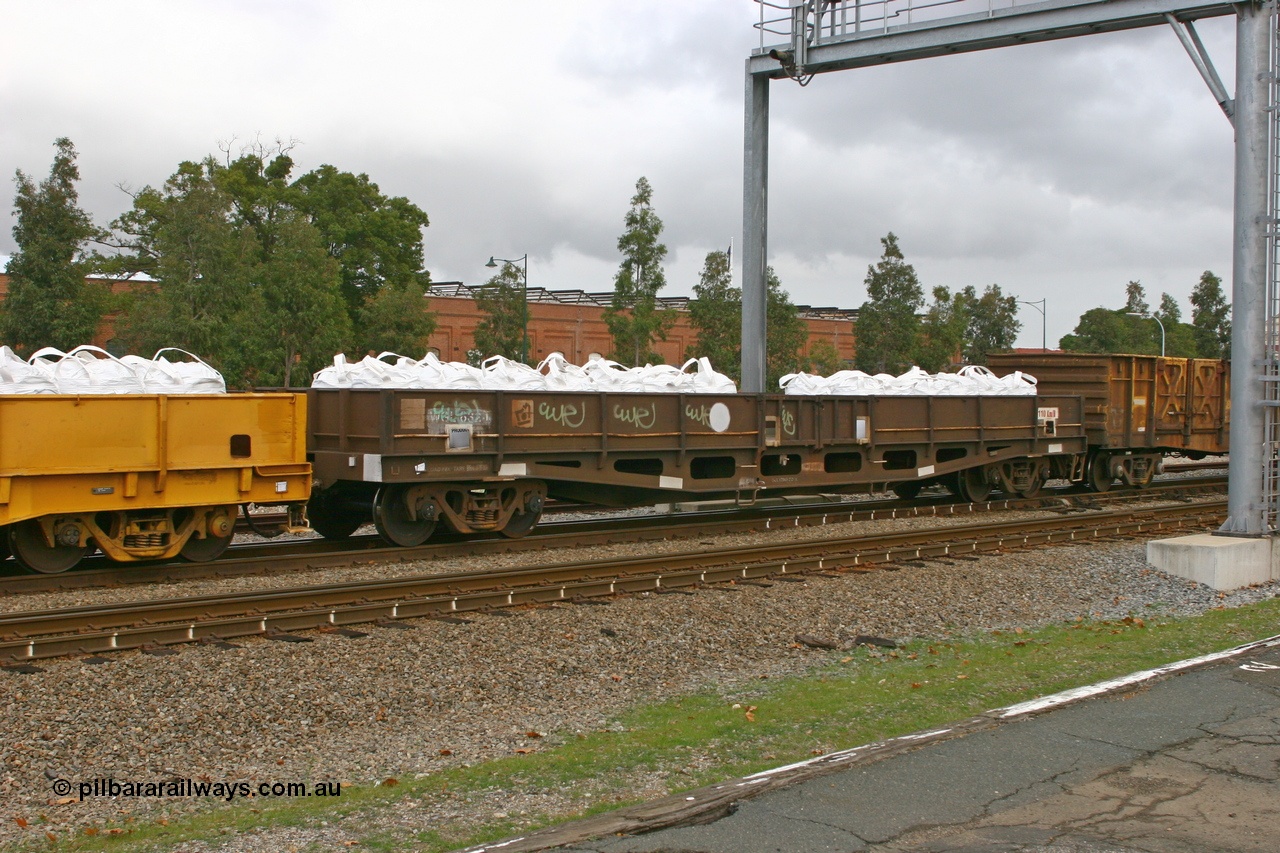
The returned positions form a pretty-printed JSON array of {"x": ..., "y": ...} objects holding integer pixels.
[{"x": 1058, "y": 171}]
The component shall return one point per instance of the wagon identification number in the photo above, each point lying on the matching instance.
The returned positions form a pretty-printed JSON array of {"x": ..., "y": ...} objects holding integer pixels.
[
  {"x": 642, "y": 416},
  {"x": 1049, "y": 413},
  {"x": 458, "y": 412}
]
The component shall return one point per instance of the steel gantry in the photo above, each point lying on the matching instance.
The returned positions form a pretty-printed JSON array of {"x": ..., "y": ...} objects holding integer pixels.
[{"x": 818, "y": 36}]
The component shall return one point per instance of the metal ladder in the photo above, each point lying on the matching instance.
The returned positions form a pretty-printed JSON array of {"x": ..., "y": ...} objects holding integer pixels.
[{"x": 1271, "y": 358}]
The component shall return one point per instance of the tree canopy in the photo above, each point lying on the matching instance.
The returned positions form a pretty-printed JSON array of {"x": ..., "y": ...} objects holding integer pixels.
[
  {"x": 1211, "y": 317},
  {"x": 634, "y": 319},
  {"x": 1137, "y": 329},
  {"x": 888, "y": 322},
  {"x": 50, "y": 302},
  {"x": 716, "y": 315},
  {"x": 268, "y": 277},
  {"x": 502, "y": 301}
]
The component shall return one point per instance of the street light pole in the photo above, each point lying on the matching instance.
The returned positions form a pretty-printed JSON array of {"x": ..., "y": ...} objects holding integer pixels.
[
  {"x": 1044, "y": 319},
  {"x": 1158, "y": 323},
  {"x": 524, "y": 302}
]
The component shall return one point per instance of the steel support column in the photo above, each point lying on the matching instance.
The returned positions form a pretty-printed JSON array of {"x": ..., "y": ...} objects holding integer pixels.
[
  {"x": 755, "y": 217},
  {"x": 1249, "y": 358}
]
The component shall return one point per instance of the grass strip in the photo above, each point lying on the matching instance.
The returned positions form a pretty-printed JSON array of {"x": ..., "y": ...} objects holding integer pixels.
[{"x": 849, "y": 698}]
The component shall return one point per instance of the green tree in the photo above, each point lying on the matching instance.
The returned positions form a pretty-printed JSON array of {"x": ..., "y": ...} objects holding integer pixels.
[
  {"x": 944, "y": 328},
  {"x": 1136, "y": 298},
  {"x": 1102, "y": 330},
  {"x": 50, "y": 303},
  {"x": 1180, "y": 337},
  {"x": 716, "y": 314},
  {"x": 786, "y": 330},
  {"x": 634, "y": 319},
  {"x": 396, "y": 319},
  {"x": 824, "y": 358},
  {"x": 993, "y": 323},
  {"x": 197, "y": 268},
  {"x": 306, "y": 320},
  {"x": 241, "y": 276},
  {"x": 376, "y": 239},
  {"x": 503, "y": 329},
  {"x": 888, "y": 322},
  {"x": 1211, "y": 317}
]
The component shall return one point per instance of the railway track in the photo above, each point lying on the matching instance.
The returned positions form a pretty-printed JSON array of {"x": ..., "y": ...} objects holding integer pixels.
[
  {"x": 282, "y": 556},
  {"x": 218, "y": 618}
]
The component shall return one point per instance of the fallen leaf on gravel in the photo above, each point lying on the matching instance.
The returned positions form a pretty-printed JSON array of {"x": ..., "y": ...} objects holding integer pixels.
[
  {"x": 523, "y": 751},
  {"x": 446, "y": 752},
  {"x": 389, "y": 782},
  {"x": 616, "y": 677},
  {"x": 50, "y": 836},
  {"x": 533, "y": 734},
  {"x": 91, "y": 830},
  {"x": 22, "y": 822},
  {"x": 65, "y": 801}
]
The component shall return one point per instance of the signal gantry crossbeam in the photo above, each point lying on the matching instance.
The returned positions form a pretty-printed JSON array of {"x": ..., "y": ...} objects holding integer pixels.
[{"x": 818, "y": 36}]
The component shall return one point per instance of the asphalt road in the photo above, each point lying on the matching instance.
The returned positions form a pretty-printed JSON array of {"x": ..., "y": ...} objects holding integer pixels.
[{"x": 1180, "y": 760}]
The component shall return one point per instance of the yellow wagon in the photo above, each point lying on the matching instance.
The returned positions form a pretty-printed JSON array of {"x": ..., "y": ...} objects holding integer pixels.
[{"x": 144, "y": 476}]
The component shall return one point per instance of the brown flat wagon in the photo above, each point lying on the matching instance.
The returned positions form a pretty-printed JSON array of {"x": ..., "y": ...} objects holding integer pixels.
[{"x": 487, "y": 460}]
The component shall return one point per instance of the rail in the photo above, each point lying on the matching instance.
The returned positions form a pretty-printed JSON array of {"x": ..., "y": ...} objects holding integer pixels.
[{"x": 42, "y": 634}]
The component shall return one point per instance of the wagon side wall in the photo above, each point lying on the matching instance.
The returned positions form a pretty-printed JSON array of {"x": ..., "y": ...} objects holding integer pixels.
[{"x": 65, "y": 454}]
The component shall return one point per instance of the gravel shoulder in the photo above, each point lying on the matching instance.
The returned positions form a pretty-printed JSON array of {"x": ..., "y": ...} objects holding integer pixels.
[{"x": 408, "y": 702}]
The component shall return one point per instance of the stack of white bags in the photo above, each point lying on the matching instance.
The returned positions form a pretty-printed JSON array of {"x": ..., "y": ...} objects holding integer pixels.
[
  {"x": 90, "y": 370},
  {"x": 554, "y": 373},
  {"x": 970, "y": 381}
]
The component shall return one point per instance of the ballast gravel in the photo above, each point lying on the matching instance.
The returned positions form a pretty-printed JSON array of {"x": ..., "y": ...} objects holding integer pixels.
[{"x": 401, "y": 703}]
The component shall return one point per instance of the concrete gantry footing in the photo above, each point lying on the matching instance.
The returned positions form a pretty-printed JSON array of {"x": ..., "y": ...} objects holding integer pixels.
[{"x": 1221, "y": 562}]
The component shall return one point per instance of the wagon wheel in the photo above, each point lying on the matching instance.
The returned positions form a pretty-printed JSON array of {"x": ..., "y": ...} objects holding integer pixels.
[
  {"x": 972, "y": 485},
  {"x": 908, "y": 490},
  {"x": 199, "y": 550},
  {"x": 330, "y": 515},
  {"x": 5, "y": 551},
  {"x": 1100, "y": 478},
  {"x": 32, "y": 551},
  {"x": 392, "y": 517},
  {"x": 520, "y": 524}
]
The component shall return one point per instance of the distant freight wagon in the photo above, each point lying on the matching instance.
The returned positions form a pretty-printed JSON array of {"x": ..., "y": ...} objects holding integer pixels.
[{"x": 1137, "y": 408}]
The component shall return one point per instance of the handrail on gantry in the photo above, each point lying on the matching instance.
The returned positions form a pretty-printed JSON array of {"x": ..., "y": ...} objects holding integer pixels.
[{"x": 826, "y": 19}]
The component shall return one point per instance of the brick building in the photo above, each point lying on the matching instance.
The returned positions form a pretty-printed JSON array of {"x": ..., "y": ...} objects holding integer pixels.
[
  {"x": 569, "y": 321},
  {"x": 572, "y": 322}
]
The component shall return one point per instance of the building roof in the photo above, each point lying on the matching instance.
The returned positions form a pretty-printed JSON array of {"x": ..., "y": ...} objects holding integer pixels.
[{"x": 602, "y": 298}]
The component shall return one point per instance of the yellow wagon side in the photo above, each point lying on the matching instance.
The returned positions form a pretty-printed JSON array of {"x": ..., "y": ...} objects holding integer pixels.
[{"x": 144, "y": 476}]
